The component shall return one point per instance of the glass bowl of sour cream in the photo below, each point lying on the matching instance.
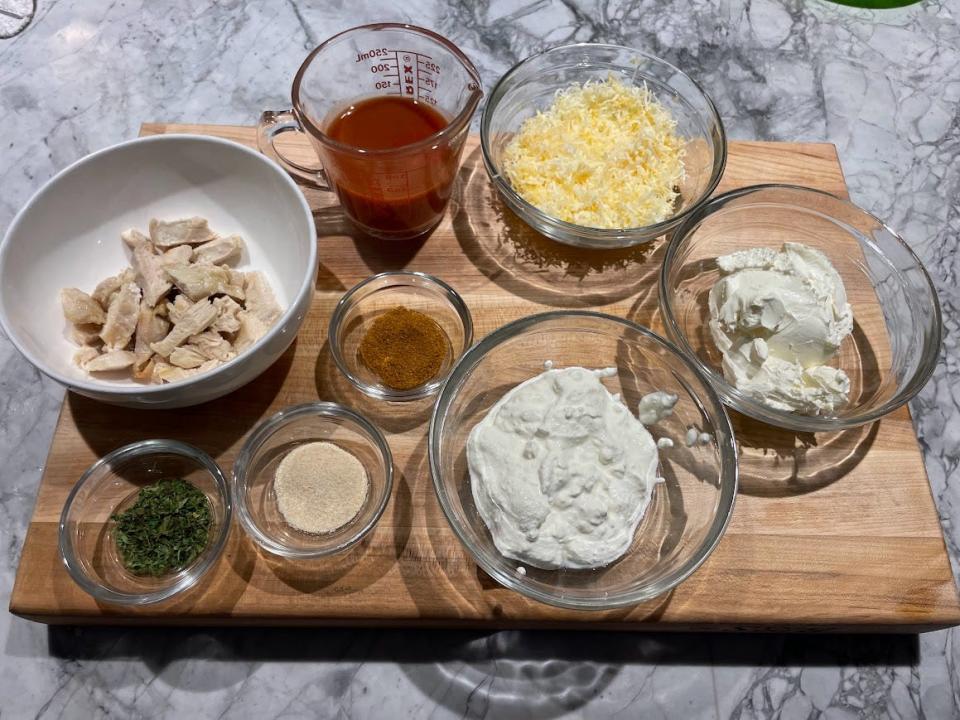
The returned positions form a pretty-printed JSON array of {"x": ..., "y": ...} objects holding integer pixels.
[
  {"x": 582, "y": 460},
  {"x": 806, "y": 312}
]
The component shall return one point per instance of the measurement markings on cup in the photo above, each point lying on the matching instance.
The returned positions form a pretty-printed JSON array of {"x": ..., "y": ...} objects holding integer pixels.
[
  {"x": 427, "y": 72},
  {"x": 416, "y": 75},
  {"x": 404, "y": 72}
]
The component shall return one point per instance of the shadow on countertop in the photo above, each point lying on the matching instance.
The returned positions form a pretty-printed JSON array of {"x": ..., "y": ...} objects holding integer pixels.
[
  {"x": 545, "y": 672},
  {"x": 439, "y": 645}
]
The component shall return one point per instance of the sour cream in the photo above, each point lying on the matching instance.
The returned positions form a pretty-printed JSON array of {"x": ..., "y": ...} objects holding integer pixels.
[{"x": 561, "y": 472}]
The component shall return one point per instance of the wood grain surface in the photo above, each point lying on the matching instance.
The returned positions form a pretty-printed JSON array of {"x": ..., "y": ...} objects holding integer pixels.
[{"x": 830, "y": 532}]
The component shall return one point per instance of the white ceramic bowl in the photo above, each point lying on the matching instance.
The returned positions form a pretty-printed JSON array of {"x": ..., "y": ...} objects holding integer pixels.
[{"x": 68, "y": 235}]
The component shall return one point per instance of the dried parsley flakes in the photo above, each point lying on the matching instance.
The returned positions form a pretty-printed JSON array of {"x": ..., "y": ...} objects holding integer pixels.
[{"x": 165, "y": 529}]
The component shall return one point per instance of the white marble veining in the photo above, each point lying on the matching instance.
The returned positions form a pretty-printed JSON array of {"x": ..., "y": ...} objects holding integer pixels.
[{"x": 883, "y": 85}]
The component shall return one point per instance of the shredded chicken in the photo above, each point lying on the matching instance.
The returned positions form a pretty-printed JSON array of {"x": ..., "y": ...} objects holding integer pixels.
[
  {"x": 146, "y": 372},
  {"x": 105, "y": 290},
  {"x": 179, "y": 311},
  {"x": 150, "y": 329},
  {"x": 237, "y": 279},
  {"x": 78, "y": 307},
  {"x": 113, "y": 360},
  {"x": 85, "y": 355},
  {"x": 217, "y": 252},
  {"x": 212, "y": 345},
  {"x": 178, "y": 308},
  {"x": 177, "y": 255},
  {"x": 191, "y": 231},
  {"x": 186, "y": 357},
  {"x": 197, "y": 319},
  {"x": 151, "y": 275},
  {"x": 252, "y": 328},
  {"x": 85, "y": 334},
  {"x": 134, "y": 239},
  {"x": 227, "y": 321},
  {"x": 165, "y": 372},
  {"x": 200, "y": 281},
  {"x": 209, "y": 365},
  {"x": 259, "y": 298},
  {"x": 121, "y": 317}
]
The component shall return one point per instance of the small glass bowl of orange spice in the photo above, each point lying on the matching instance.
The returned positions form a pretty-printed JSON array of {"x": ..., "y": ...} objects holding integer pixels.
[{"x": 397, "y": 335}]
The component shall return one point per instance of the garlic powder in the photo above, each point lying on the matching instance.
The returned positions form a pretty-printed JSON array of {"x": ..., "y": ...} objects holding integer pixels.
[{"x": 320, "y": 487}]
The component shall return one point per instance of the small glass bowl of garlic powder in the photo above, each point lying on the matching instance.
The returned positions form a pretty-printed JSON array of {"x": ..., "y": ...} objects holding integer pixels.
[
  {"x": 807, "y": 312},
  {"x": 601, "y": 146},
  {"x": 312, "y": 480}
]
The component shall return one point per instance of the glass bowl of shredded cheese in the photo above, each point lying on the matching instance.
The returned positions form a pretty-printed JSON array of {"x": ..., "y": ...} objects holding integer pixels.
[
  {"x": 601, "y": 146},
  {"x": 544, "y": 486},
  {"x": 312, "y": 480}
]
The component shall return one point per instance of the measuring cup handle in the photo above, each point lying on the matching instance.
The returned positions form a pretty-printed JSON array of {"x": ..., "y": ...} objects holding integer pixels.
[{"x": 273, "y": 123}]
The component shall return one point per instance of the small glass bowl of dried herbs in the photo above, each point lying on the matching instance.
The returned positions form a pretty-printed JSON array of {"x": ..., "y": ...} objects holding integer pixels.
[
  {"x": 165, "y": 529},
  {"x": 397, "y": 335},
  {"x": 146, "y": 522}
]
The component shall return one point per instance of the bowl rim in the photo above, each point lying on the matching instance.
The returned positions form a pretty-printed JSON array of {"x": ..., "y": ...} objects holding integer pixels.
[
  {"x": 596, "y": 237},
  {"x": 85, "y": 384},
  {"x": 264, "y": 430},
  {"x": 199, "y": 569},
  {"x": 739, "y": 400},
  {"x": 726, "y": 449},
  {"x": 413, "y": 279}
]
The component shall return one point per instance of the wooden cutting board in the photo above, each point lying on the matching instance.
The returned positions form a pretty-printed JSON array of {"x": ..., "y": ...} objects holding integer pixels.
[{"x": 830, "y": 532}]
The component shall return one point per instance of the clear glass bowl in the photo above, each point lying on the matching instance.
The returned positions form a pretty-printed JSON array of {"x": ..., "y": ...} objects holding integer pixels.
[
  {"x": 687, "y": 514},
  {"x": 366, "y": 301},
  {"x": 897, "y": 325},
  {"x": 531, "y": 85},
  {"x": 269, "y": 442},
  {"x": 111, "y": 485}
]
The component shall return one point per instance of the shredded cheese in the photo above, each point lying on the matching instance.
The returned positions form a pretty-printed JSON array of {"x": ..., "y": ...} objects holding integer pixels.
[{"x": 603, "y": 155}]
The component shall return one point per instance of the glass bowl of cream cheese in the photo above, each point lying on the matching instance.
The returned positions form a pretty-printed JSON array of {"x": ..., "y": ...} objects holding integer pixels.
[
  {"x": 582, "y": 460},
  {"x": 806, "y": 312}
]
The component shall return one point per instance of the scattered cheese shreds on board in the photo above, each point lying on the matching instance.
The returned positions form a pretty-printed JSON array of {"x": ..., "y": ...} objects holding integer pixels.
[{"x": 604, "y": 155}]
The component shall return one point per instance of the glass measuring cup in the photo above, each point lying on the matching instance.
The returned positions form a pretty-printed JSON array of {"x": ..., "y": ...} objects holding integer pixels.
[{"x": 394, "y": 193}]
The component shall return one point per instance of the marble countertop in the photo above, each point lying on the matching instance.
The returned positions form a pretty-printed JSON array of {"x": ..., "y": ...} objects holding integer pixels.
[{"x": 882, "y": 85}]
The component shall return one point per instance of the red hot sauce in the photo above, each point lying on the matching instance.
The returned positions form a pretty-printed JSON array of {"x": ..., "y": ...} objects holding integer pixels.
[{"x": 400, "y": 193}]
